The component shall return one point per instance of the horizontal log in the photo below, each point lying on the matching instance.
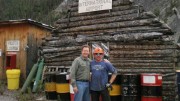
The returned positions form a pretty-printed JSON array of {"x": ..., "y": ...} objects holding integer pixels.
[
  {"x": 50, "y": 38},
  {"x": 131, "y": 64},
  {"x": 120, "y": 37},
  {"x": 145, "y": 42},
  {"x": 137, "y": 36},
  {"x": 59, "y": 64},
  {"x": 169, "y": 74},
  {"x": 142, "y": 61},
  {"x": 56, "y": 45},
  {"x": 142, "y": 52},
  {"x": 121, "y": 14},
  {"x": 74, "y": 48},
  {"x": 61, "y": 54},
  {"x": 63, "y": 42},
  {"x": 140, "y": 56},
  {"x": 172, "y": 78},
  {"x": 168, "y": 84},
  {"x": 84, "y": 39},
  {"x": 48, "y": 47},
  {"x": 111, "y": 58},
  {"x": 66, "y": 58},
  {"x": 169, "y": 95},
  {"x": 141, "y": 47},
  {"x": 168, "y": 89},
  {"x": 142, "y": 22},
  {"x": 118, "y": 8},
  {"x": 145, "y": 71},
  {"x": 101, "y": 21},
  {"x": 137, "y": 29},
  {"x": 146, "y": 67},
  {"x": 60, "y": 59}
]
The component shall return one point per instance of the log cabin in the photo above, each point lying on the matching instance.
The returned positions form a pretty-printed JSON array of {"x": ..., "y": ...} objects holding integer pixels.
[{"x": 138, "y": 41}]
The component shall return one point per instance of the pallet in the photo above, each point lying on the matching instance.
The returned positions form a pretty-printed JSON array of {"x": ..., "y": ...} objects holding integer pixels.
[{"x": 54, "y": 69}]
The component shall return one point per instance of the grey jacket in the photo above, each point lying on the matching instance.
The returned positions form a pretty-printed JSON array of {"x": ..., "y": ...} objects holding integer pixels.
[{"x": 80, "y": 70}]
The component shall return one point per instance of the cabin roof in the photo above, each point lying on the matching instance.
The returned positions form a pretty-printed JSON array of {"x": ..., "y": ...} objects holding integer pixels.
[{"x": 30, "y": 21}]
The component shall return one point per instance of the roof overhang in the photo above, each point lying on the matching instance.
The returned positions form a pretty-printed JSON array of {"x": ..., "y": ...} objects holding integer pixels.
[{"x": 30, "y": 21}]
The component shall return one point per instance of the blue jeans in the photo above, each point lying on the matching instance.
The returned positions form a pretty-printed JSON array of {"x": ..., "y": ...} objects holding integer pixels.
[{"x": 83, "y": 91}]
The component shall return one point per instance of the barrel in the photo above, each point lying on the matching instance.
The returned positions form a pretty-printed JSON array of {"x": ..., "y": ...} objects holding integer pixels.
[
  {"x": 115, "y": 93},
  {"x": 151, "y": 86},
  {"x": 62, "y": 87},
  {"x": 50, "y": 86},
  {"x": 130, "y": 87},
  {"x": 178, "y": 80}
]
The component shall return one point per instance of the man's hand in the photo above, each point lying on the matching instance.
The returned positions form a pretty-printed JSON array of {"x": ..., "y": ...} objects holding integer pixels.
[
  {"x": 109, "y": 86},
  {"x": 106, "y": 60},
  {"x": 75, "y": 89}
]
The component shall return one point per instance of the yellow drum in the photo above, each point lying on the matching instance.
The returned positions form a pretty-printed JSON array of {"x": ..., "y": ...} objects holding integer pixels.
[
  {"x": 13, "y": 78},
  {"x": 115, "y": 93}
]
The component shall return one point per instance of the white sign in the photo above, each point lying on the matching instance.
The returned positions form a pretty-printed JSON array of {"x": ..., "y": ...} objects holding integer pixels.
[
  {"x": 94, "y": 5},
  {"x": 13, "y": 45},
  {"x": 149, "y": 79}
]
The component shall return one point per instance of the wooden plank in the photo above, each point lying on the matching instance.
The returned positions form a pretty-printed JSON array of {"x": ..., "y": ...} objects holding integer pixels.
[{"x": 2, "y": 57}]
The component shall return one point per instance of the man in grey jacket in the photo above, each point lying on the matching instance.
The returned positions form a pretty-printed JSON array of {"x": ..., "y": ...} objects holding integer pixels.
[{"x": 80, "y": 75}]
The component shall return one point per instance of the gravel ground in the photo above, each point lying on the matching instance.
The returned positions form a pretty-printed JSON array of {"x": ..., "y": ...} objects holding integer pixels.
[
  {"x": 11, "y": 95},
  {"x": 8, "y": 95}
]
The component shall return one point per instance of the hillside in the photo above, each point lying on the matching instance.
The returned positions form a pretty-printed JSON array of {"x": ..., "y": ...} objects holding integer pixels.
[
  {"x": 167, "y": 10},
  {"x": 39, "y": 10}
]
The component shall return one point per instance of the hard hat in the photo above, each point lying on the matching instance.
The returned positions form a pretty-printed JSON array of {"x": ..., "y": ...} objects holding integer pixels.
[{"x": 98, "y": 50}]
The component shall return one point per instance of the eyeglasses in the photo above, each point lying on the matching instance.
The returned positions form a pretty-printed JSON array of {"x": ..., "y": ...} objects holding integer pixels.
[{"x": 98, "y": 54}]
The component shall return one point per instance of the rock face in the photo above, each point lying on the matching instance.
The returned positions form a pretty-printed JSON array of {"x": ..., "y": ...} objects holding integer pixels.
[{"x": 166, "y": 10}]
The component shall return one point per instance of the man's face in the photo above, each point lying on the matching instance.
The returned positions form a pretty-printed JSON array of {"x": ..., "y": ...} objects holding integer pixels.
[
  {"x": 98, "y": 56},
  {"x": 85, "y": 52}
]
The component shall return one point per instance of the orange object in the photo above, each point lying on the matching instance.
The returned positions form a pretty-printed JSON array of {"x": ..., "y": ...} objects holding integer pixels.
[{"x": 98, "y": 50}]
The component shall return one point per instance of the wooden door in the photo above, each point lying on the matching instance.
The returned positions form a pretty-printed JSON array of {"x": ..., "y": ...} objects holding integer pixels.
[{"x": 31, "y": 52}]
